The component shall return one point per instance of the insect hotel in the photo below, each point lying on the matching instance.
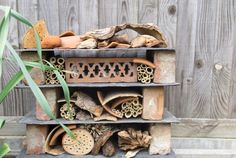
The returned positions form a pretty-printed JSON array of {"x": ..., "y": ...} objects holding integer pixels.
[{"x": 117, "y": 106}]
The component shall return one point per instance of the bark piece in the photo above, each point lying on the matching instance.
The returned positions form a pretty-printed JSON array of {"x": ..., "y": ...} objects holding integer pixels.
[
  {"x": 96, "y": 130},
  {"x": 124, "y": 39},
  {"x": 51, "y": 95},
  {"x": 138, "y": 41},
  {"x": 161, "y": 139},
  {"x": 35, "y": 138},
  {"x": 105, "y": 116},
  {"x": 88, "y": 44},
  {"x": 29, "y": 40},
  {"x": 143, "y": 29},
  {"x": 103, "y": 44},
  {"x": 85, "y": 102},
  {"x": 51, "y": 42},
  {"x": 132, "y": 153},
  {"x": 70, "y": 42},
  {"x": 132, "y": 139},
  {"x": 165, "y": 67},
  {"x": 82, "y": 145},
  {"x": 101, "y": 141},
  {"x": 83, "y": 115},
  {"x": 108, "y": 149},
  {"x": 153, "y": 103},
  {"x": 121, "y": 45},
  {"x": 58, "y": 132}
]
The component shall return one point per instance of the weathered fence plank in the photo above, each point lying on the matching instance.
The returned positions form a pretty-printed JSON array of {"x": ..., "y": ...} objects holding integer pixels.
[
  {"x": 201, "y": 31},
  {"x": 68, "y": 15}
]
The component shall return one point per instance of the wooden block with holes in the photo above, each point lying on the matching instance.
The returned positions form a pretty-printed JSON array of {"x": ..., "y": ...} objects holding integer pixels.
[
  {"x": 35, "y": 139},
  {"x": 165, "y": 67},
  {"x": 153, "y": 103},
  {"x": 100, "y": 70},
  {"x": 51, "y": 94}
]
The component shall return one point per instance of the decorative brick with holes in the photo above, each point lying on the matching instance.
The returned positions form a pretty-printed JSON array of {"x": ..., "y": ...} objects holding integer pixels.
[{"x": 100, "y": 70}]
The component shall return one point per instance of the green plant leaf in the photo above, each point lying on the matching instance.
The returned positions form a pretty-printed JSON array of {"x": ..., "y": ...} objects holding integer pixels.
[
  {"x": 4, "y": 149},
  {"x": 2, "y": 123},
  {"x": 36, "y": 91},
  {"x": 22, "y": 19},
  {"x": 4, "y": 28},
  {"x": 12, "y": 83}
]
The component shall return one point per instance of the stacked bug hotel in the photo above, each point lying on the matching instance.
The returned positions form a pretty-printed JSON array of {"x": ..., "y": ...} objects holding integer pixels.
[{"x": 117, "y": 93}]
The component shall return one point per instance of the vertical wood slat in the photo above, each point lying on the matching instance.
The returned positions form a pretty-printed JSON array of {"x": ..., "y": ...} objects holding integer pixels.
[
  {"x": 48, "y": 10},
  {"x": 10, "y": 105},
  {"x": 107, "y": 13},
  {"x": 29, "y": 9},
  {"x": 88, "y": 15},
  {"x": 148, "y": 11},
  {"x": 180, "y": 102},
  {"x": 167, "y": 18},
  {"x": 204, "y": 45},
  {"x": 127, "y": 13},
  {"x": 232, "y": 104},
  {"x": 69, "y": 15}
]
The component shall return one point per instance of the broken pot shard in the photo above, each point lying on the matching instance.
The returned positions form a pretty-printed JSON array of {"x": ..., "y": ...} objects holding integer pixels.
[
  {"x": 119, "y": 101},
  {"x": 88, "y": 44},
  {"x": 51, "y": 42},
  {"x": 85, "y": 102},
  {"x": 144, "y": 61},
  {"x": 57, "y": 133},
  {"x": 105, "y": 98},
  {"x": 67, "y": 33},
  {"x": 70, "y": 42},
  {"x": 48, "y": 149}
]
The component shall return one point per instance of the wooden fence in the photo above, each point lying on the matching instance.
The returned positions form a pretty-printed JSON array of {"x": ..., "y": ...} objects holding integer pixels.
[{"x": 202, "y": 32}]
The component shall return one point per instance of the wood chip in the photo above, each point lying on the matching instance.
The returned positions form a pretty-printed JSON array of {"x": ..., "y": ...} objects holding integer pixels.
[{"x": 105, "y": 116}]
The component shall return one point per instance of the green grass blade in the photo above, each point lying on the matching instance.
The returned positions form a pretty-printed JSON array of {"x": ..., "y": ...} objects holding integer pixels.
[
  {"x": 12, "y": 83},
  {"x": 63, "y": 84},
  {"x": 36, "y": 91},
  {"x": 2, "y": 123},
  {"x": 4, "y": 149},
  {"x": 4, "y": 28}
]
